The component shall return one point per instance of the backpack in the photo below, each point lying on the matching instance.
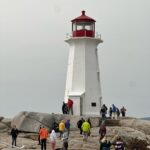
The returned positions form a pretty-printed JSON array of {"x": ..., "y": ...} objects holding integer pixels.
[
  {"x": 114, "y": 109},
  {"x": 79, "y": 123},
  {"x": 103, "y": 110}
]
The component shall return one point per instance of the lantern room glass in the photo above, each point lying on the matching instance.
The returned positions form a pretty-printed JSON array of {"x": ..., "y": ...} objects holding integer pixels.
[{"x": 83, "y": 26}]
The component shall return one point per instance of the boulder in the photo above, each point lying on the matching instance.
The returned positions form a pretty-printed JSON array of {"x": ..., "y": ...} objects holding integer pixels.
[
  {"x": 148, "y": 147},
  {"x": 4, "y": 124},
  {"x": 138, "y": 124},
  {"x": 31, "y": 121},
  {"x": 3, "y": 127},
  {"x": 1, "y": 118},
  {"x": 7, "y": 122},
  {"x": 132, "y": 138}
]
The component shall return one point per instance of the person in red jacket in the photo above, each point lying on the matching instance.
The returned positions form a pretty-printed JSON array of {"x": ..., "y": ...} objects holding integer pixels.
[{"x": 70, "y": 106}]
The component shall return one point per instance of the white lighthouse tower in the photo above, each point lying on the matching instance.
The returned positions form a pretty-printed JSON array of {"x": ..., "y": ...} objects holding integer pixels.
[{"x": 83, "y": 75}]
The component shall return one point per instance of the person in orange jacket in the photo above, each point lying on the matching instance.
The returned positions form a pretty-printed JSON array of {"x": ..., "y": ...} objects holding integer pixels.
[{"x": 43, "y": 137}]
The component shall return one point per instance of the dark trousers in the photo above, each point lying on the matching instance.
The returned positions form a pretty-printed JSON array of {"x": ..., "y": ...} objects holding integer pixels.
[
  {"x": 71, "y": 111},
  {"x": 14, "y": 138},
  {"x": 61, "y": 134},
  {"x": 80, "y": 130},
  {"x": 43, "y": 144},
  {"x": 65, "y": 145},
  {"x": 123, "y": 114}
]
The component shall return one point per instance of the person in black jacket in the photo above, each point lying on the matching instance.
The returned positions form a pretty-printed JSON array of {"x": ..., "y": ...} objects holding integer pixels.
[
  {"x": 79, "y": 124},
  {"x": 64, "y": 108},
  {"x": 14, "y": 134},
  {"x": 39, "y": 141},
  {"x": 105, "y": 144}
]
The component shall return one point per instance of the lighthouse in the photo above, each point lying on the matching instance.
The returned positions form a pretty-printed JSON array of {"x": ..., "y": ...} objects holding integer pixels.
[{"x": 83, "y": 74}]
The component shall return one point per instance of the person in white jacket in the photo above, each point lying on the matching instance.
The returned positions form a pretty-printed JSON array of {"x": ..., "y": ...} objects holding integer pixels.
[{"x": 53, "y": 138}]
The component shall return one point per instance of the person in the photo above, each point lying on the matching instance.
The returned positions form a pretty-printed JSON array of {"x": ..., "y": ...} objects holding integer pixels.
[
  {"x": 14, "y": 134},
  {"x": 105, "y": 144},
  {"x": 65, "y": 140},
  {"x": 90, "y": 126},
  {"x": 105, "y": 108},
  {"x": 55, "y": 126},
  {"x": 89, "y": 121},
  {"x": 102, "y": 130},
  {"x": 67, "y": 125},
  {"x": 114, "y": 112},
  {"x": 70, "y": 106},
  {"x": 103, "y": 111},
  {"x": 118, "y": 112},
  {"x": 86, "y": 129},
  {"x": 61, "y": 128},
  {"x": 64, "y": 108},
  {"x": 123, "y": 111},
  {"x": 53, "y": 138},
  {"x": 43, "y": 137},
  {"x": 119, "y": 144},
  {"x": 110, "y": 112},
  {"x": 39, "y": 142},
  {"x": 79, "y": 124}
]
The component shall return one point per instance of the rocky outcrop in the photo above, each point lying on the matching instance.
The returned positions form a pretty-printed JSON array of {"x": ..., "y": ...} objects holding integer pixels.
[
  {"x": 31, "y": 121},
  {"x": 5, "y": 124},
  {"x": 133, "y": 139},
  {"x": 138, "y": 124},
  {"x": 135, "y": 133}
]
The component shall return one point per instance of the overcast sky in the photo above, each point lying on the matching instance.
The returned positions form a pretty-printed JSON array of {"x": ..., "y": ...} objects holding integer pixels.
[{"x": 34, "y": 56}]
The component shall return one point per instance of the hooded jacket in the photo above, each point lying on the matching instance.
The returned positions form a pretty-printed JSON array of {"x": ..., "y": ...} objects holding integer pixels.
[
  {"x": 53, "y": 136},
  {"x": 86, "y": 126},
  {"x": 43, "y": 133}
]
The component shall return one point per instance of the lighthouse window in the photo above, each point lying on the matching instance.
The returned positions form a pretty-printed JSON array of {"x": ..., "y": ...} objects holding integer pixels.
[
  {"x": 79, "y": 27},
  {"x": 93, "y": 104},
  {"x": 74, "y": 27},
  {"x": 87, "y": 27}
]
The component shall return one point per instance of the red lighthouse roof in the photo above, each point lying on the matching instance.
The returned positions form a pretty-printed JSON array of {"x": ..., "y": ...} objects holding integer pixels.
[{"x": 84, "y": 18}]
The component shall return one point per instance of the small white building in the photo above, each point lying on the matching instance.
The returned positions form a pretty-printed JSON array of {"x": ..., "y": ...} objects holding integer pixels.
[{"x": 83, "y": 75}]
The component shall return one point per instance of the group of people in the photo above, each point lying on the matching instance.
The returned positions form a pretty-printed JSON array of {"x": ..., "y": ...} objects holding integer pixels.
[
  {"x": 67, "y": 108},
  {"x": 84, "y": 126},
  {"x": 64, "y": 128},
  {"x": 44, "y": 135},
  {"x": 106, "y": 144},
  {"x": 114, "y": 112}
]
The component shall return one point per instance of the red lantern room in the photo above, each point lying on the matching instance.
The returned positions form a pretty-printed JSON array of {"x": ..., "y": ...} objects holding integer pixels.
[{"x": 83, "y": 26}]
